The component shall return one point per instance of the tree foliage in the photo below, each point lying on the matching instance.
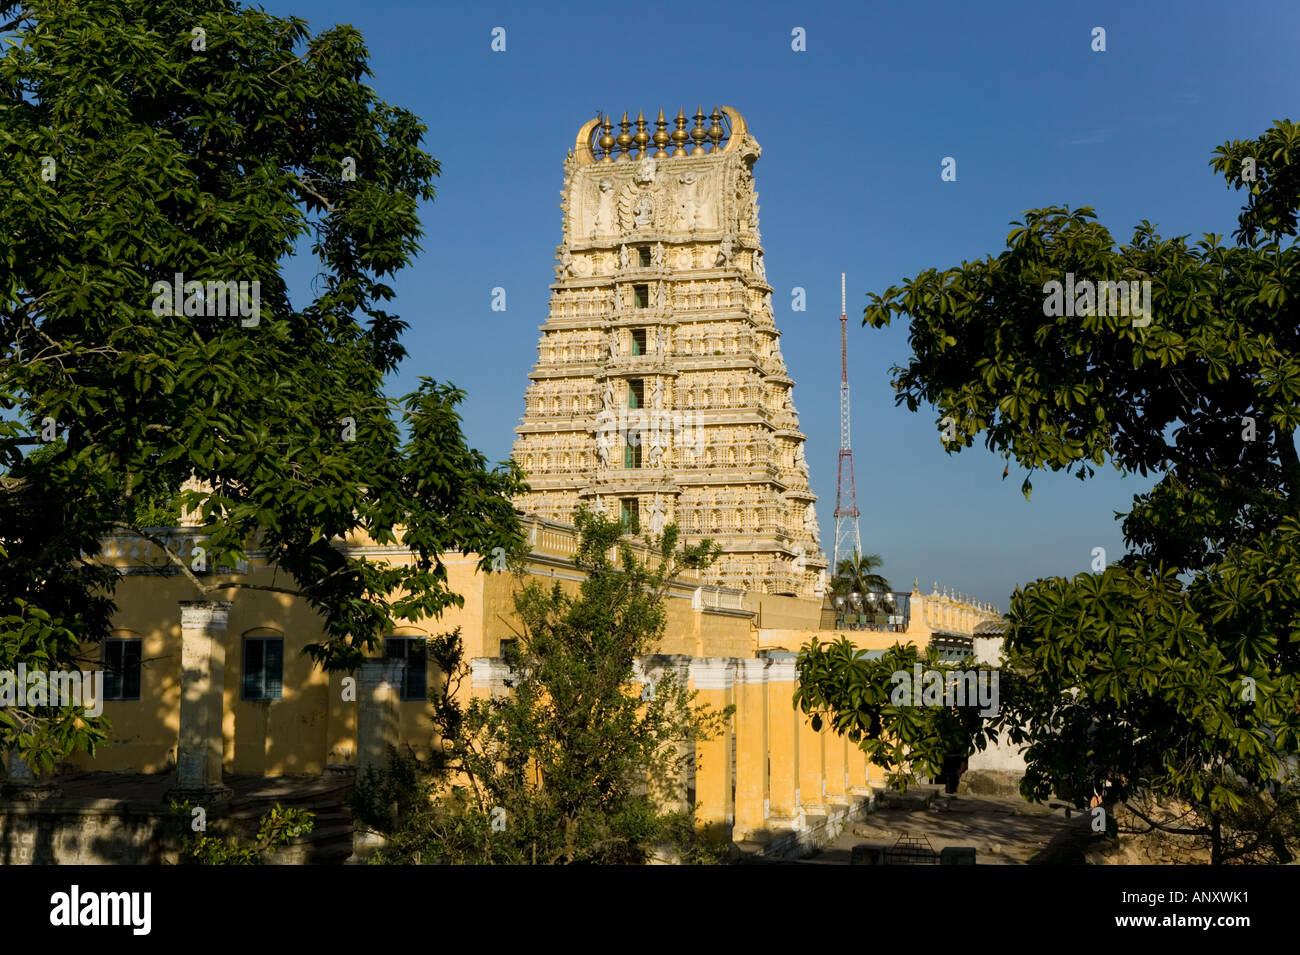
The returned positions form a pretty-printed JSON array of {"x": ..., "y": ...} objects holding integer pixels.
[
  {"x": 1173, "y": 673},
  {"x": 857, "y": 574},
  {"x": 275, "y": 830},
  {"x": 134, "y": 150},
  {"x": 858, "y": 695},
  {"x": 570, "y": 765}
]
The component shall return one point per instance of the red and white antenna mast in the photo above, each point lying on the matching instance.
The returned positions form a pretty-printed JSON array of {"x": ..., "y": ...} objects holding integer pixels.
[{"x": 848, "y": 540}]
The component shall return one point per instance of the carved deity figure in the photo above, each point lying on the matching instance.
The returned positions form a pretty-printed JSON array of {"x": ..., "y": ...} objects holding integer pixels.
[
  {"x": 608, "y": 397},
  {"x": 658, "y": 517},
  {"x": 644, "y": 211},
  {"x": 604, "y": 224},
  {"x": 746, "y": 200},
  {"x": 724, "y": 252},
  {"x": 604, "y": 436},
  {"x": 657, "y": 257},
  {"x": 645, "y": 172},
  {"x": 687, "y": 200},
  {"x": 810, "y": 521}
]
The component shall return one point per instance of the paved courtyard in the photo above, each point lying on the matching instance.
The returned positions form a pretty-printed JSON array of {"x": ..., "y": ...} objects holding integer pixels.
[{"x": 1004, "y": 830}]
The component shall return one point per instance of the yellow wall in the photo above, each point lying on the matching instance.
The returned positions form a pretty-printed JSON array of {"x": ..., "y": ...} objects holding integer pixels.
[{"x": 783, "y": 771}]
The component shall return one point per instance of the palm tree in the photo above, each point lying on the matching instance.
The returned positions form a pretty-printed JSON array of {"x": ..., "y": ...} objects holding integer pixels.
[
  {"x": 857, "y": 574},
  {"x": 855, "y": 579}
]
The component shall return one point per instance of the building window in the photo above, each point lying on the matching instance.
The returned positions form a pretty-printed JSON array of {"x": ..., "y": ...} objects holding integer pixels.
[
  {"x": 630, "y": 514},
  {"x": 638, "y": 341},
  {"x": 641, "y": 296},
  {"x": 636, "y": 393},
  {"x": 632, "y": 455},
  {"x": 122, "y": 669},
  {"x": 643, "y": 253},
  {"x": 509, "y": 647},
  {"x": 263, "y": 668},
  {"x": 410, "y": 653}
]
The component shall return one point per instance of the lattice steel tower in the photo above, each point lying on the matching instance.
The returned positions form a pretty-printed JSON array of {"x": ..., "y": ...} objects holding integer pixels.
[{"x": 848, "y": 540}]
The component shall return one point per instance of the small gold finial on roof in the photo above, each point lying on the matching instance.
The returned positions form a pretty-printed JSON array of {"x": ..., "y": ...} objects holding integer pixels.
[
  {"x": 607, "y": 140},
  {"x": 625, "y": 140},
  {"x": 716, "y": 132},
  {"x": 661, "y": 137},
  {"x": 642, "y": 138},
  {"x": 680, "y": 135},
  {"x": 698, "y": 134}
]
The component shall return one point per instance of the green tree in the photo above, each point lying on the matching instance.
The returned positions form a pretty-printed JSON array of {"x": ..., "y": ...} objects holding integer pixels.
[
  {"x": 919, "y": 738},
  {"x": 857, "y": 574},
  {"x": 569, "y": 766},
  {"x": 140, "y": 141},
  {"x": 1170, "y": 674},
  {"x": 275, "y": 830}
]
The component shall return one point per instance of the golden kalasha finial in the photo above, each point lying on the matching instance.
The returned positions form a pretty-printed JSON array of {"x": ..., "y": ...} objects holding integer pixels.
[
  {"x": 606, "y": 141},
  {"x": 661, "y": 137},
  {"x": 680, "y": 135},
  {"x": 716, "y": 131},
  {"x": 698, "y": 134},
  {"x": 642, "y": 138},
  {"x": 625, "y": 140}
]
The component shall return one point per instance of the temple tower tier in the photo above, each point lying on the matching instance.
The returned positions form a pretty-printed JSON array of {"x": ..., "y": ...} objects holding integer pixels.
[{"x": 660, "y": 394}]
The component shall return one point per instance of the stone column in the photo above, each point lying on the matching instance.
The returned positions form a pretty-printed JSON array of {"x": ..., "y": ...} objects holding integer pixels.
[
  {"x": 377, "y": 698},
  {"x": 783, "y": 725},
  {"x": 751, "y": 747},
  {"x": 713, "y": 678},
  {"x": 858, "y": 784},
  {"x": 200, "y": 744},
  {"x": 649, "y": 674},
  {"x": 341, "y": 732},
  {"x": 812, "y": 793},
  {"x": 836, "y": 764}
]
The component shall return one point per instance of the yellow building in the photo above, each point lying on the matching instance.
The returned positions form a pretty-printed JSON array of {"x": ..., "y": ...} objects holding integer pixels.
[
  {"x": 660, "y": 394},
  {"x": 207, "y": 689}
]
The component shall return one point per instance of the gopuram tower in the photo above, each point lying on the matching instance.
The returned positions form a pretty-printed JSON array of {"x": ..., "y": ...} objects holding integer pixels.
[{"x": 660, "y": 394}]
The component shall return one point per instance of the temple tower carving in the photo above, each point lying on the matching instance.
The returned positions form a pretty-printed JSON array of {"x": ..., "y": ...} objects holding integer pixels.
[{"x": 660, "y": 394}]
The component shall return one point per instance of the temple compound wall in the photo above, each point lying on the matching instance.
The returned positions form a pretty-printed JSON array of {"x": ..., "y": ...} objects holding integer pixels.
[{"x": 771, "y": 778}]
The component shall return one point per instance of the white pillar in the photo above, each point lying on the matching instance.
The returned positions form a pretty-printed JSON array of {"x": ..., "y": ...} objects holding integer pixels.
[
  {"x": 377, "y": 698},
  {"x": 203, "y": 677}
]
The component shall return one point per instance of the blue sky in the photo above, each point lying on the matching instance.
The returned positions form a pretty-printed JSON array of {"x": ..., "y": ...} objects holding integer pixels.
[{"x": 853, "y": 132}]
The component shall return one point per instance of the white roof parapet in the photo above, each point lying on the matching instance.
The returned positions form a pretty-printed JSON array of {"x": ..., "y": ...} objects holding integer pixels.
[
  {"x": 783, "y": 671},
  {"x": 753, "y": 670},
  {"x": 713, "y": 673}
]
